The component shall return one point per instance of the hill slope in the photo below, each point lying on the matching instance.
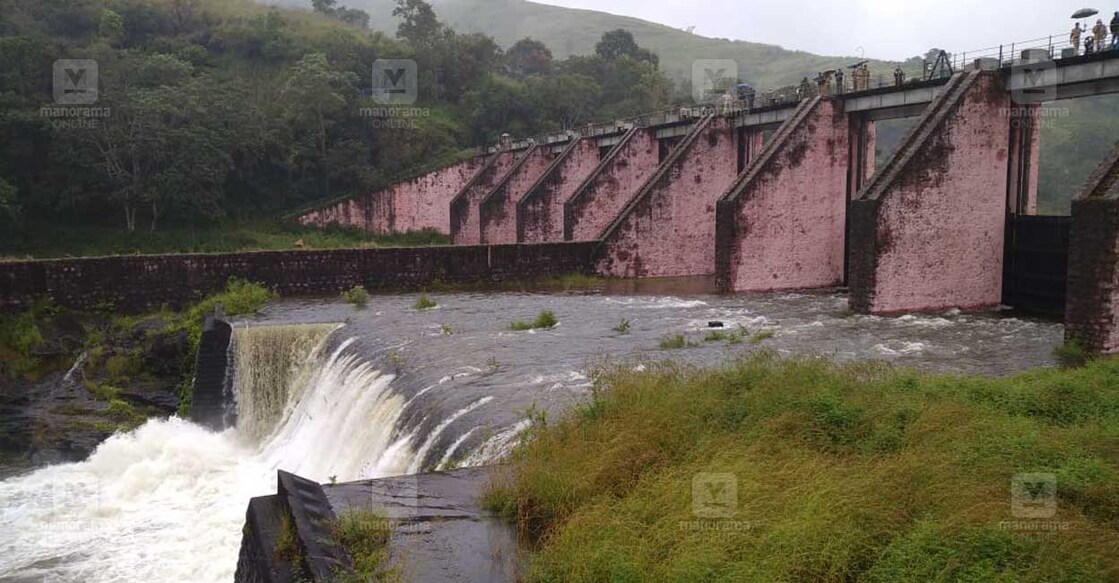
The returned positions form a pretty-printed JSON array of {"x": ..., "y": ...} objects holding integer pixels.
[{"x": 569, "y": 31}]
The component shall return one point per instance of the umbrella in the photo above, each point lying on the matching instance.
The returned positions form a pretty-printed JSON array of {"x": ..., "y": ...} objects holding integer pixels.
[
  {"x": 1085, "y": 13},
  {"x": 859, "y": 64}
]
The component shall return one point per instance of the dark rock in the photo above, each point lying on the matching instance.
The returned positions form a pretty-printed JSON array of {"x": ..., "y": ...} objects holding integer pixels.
[
  {"x": 62, "y": 335},
  {"x": 715, "y": 325},
  {"x": 166, "y": 353}
]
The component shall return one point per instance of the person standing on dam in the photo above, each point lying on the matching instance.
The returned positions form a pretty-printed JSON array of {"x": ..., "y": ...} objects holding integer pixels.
[
  {"x": 1115, "y": 31},
  {"x": 1074, "y": 37},
  {"x": 1099, "y": 31}
]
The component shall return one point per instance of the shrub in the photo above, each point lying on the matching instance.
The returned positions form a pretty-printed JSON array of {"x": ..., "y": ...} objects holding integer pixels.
[
  {"x": 545, "y": 319},
  {"x": 424, "y": 303},
  {"x": 1072, "y": 354},
  {"x": 356, "y": 296},
  {"x": 622, "y": 327}
]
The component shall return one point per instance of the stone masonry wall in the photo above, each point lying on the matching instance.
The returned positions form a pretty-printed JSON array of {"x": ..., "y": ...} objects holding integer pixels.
[
  {"x": 1092, "y": 300},
  {"x": 670, "y": 231},
  {"x": 540, "y": 218},
  {"x": 139, "y": 282},
  {"x": 466, "y": 227},
  {"x": 499, "y": 209},
  {"x": 934, "y": 238},
  {"x": 420, "y": 203},
  {"x": 786, "y": 227},
  {"x": 594, "y": 207}
]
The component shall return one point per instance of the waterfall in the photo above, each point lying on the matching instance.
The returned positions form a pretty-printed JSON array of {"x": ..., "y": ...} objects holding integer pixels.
[
  {"x": 166, "y": 502},
  {"x": 270, "y": 365}
]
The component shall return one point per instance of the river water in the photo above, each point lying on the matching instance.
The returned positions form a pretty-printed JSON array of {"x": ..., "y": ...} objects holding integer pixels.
[{"x": 387, "y": 390}]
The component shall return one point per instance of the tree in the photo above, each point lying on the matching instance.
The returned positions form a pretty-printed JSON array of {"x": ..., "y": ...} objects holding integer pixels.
[
  {"x": 619, "y": 43},
  {"x": 315, "y": 96},
  {"x": 323, "y": 6},
  {"x": 528, "y": 57},
  {"x": 418, "y": 24},
  {"x": 566, "y": 98}
]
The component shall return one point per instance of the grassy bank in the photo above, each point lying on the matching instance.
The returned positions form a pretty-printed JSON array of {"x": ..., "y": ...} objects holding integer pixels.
[
  {"x": 46, "y": 241},
  {"x": 801, "y": 470}
]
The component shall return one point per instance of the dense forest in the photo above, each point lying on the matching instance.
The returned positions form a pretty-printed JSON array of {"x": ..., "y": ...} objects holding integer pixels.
[{"x": 224, "y": 108}]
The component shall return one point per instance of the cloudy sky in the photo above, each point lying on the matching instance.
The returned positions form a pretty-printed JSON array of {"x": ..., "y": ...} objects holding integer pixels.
[{"x": 887, "y": 29}]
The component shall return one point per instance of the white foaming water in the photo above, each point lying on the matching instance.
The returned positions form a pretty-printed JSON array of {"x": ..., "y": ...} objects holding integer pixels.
[{"x": 166, "y": 502}]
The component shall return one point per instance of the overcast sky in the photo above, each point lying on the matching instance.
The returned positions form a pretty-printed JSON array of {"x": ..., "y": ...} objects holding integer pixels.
[{"x": 885, "y": 29}]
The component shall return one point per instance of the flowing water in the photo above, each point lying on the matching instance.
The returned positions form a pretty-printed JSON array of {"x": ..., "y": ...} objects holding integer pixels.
[{"x": 391, "y": 390}]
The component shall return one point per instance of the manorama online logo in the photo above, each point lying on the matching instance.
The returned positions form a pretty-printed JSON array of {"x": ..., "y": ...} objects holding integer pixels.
[
  {"x": 395, "y": 82},
  {"x": 76, "y": 92}
]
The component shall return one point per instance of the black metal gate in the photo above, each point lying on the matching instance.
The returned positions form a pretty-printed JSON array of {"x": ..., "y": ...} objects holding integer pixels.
[{"x": 1036, "y": 264}]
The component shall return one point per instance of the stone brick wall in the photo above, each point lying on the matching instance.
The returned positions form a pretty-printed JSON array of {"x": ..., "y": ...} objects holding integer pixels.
[
  {"x": 540, "y": 216},
  {"x": 1092, "y": 303},
  {"x": 420, "y": 203},
  {"x": 1092, "y": 299},
  {"x": 784, "y": 227},
  {"x": 600, "y": 199},
  {"x": 138, "y": 282},
  {"x": 933, "y": 222},
  {"x": 498, "y": 211},
  {"x": 466, "y": 228},
  {"x": 670, "y": 230}
]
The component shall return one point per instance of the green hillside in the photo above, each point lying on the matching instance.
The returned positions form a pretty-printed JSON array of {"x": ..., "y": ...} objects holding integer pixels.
[{"x": 569, "y": 31}]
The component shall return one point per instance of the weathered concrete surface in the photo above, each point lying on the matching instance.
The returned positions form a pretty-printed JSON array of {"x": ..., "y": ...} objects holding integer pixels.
[
  {"x": 1092, "y": 300},
  {"x": 1025, "y": 158},
  {"x": 140, "y": 282},
  {"x": 540, "y": 211},
  {"x": 498, "y": 209},
  {"x": 927, "y": 232},
  {"x": 600, "y": 198},
  {"x": 308, "y": 513},
  {"x": 466, "y": 227},
  {"x": 439, "y": 531},
  {"x": 420, "y": 203},
  {"x": 782, "y": 224},
  {"x": 668, "y": 229}
]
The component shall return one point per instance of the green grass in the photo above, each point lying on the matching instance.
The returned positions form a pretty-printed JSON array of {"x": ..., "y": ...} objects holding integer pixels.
[
  {"x": 545, "y": 319},
  {"x": 762, "y": 336},
  {"x": 258, "y": 235},
  {"x": 356, "y": 296},
  {"x": 364, "y": 534},
  {"x": 622, "y": 327},
  {"x": 1072, "y": 354},
  {"x": 854, "y": 472},
  {"x": 424, "y": 303}
]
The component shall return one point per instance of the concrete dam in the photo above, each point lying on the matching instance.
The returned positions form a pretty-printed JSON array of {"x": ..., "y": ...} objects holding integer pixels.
[{"x": 786, "y": 196}]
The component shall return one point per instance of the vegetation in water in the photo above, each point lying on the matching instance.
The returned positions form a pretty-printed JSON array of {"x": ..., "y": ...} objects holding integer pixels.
[
  {"x": 674, "y": 341},
  {"x": 356, "y": 296},
  {"x": 424, "y": 303},
  {"x": 772, "y": 469},
  {"x": 545, "y": 319},
  {"x": 622, "y": 327}
]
